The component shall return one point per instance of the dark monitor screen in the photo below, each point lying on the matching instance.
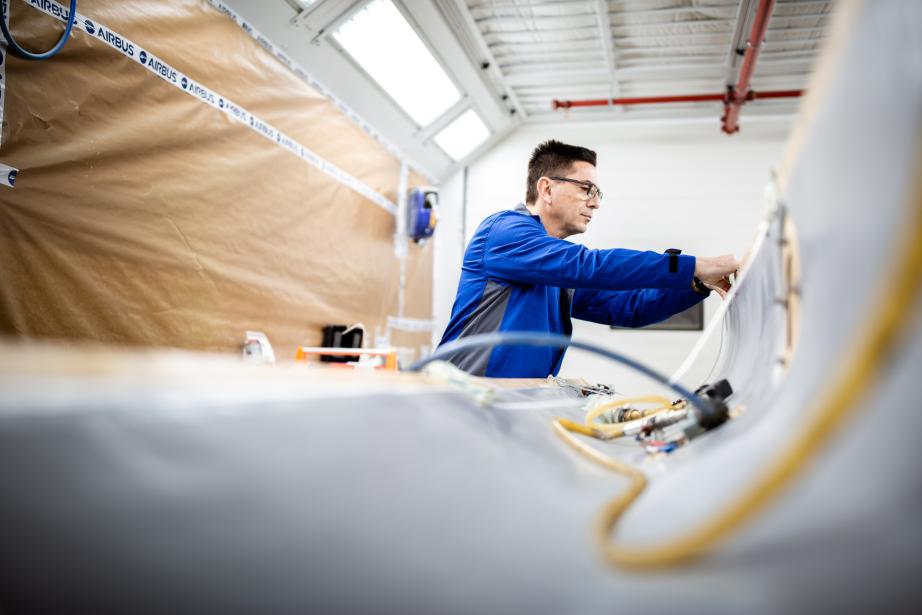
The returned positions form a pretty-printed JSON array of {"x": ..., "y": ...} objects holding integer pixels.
[{"x": 691, "y": 319}]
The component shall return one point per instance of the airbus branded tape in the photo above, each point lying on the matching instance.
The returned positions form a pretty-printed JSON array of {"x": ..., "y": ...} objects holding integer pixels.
[
  {"x": 182, "y": 81},
  {"x": 298, "y": 70},
  {"x": 8, "y": 175}
]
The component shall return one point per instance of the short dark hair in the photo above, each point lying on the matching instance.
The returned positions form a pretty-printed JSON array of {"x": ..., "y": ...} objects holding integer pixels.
[{"x": 553, "y": 158}]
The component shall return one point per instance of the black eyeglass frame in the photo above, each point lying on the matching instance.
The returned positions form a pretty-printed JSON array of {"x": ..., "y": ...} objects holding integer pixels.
[{"x": 589, "y": 186}]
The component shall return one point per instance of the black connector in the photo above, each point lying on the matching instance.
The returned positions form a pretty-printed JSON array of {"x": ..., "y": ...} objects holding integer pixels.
[
  {"x": 720, "y": 389},
  {"x": 716, "y": 395}
]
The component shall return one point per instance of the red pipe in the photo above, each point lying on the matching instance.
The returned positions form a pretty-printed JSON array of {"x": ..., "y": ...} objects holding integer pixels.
[
  {"x": 640, "y": 100},
  {"x": 775, "y": 94},
  {"x": 740, "y": 94},
  {"x": 648, "y": 100},
  {"x": 733, "y": 99}
]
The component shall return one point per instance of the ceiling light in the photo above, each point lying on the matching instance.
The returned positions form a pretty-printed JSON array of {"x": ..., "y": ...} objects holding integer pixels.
[
  {"x": 387, "y": 48},
  {"x": 463, "y": 135}
]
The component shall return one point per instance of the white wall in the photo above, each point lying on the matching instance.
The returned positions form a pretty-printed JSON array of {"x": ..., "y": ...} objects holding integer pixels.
[
  {"x": 448, "y": 250},
  {"x": 675, "y": 184}
]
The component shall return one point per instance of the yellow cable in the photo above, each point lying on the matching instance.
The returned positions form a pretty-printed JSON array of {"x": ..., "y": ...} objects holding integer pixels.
[
  {"x": 577, "y": 427},
  {"x": 563, "y": 427},
  {"x": 594, "y": 413},
  {"x": 855, "y": 379}
]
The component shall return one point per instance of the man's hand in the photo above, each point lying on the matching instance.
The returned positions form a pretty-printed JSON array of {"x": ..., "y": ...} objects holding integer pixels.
[
  {"x": 721, "y": 287},
  {"x": 714, "y": 271}
]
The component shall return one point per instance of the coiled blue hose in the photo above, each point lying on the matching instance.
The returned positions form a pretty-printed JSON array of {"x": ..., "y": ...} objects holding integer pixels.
[
  {"x": 28, "y": 55},
  {"x": 524, "y": 338}
]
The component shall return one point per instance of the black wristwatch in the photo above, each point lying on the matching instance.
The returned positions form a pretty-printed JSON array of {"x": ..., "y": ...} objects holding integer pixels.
[{"x": 699, "y": 287}]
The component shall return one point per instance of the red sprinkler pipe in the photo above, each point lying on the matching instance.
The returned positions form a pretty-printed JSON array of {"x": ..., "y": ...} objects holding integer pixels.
[
  {"x": 733, "y": 98},
  {"x": 649, "y": 100},
  {"x": 738, "y": 95},
  {"x": 640, "y": 100}
]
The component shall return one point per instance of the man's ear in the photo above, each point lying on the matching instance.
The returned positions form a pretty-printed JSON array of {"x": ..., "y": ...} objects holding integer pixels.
[{"x": 544, "y": 189}]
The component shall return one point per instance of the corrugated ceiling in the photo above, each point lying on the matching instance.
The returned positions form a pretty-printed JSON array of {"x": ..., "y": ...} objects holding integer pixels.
[{"x": 546, "y": 50}]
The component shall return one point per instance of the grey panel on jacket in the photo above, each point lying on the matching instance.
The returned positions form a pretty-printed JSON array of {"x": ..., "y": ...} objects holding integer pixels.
[{"x": 486, "y": 318}]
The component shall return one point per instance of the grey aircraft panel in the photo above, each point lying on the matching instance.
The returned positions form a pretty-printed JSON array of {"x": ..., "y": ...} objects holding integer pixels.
[{"x": 243, "y": 493}]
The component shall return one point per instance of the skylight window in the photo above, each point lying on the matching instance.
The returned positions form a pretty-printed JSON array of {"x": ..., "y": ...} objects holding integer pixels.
[
  {"x": 387, "y": 48},
  {"x": 463, "y": 135}
]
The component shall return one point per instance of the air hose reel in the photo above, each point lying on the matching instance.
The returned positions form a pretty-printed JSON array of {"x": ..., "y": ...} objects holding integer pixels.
[{"x": 422, "y": 214}]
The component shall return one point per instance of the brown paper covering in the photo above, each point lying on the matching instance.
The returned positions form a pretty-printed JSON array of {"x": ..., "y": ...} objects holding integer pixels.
[{"x": 143, "y": 216}]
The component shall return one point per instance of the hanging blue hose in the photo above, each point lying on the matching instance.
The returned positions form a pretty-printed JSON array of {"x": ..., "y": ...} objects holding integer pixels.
[
  {"x": 523, "y": 338},
  {"x": 28, "y": 55}
]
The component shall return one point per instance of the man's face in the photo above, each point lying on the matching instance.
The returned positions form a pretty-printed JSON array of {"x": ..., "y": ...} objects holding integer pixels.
[{"x": 570, "y": 207}]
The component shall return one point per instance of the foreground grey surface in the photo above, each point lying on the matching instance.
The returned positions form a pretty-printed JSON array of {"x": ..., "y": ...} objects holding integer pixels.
[{"x": 129, "y": 500}]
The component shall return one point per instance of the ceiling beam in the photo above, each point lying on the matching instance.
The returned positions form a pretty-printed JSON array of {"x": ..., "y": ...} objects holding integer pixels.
[
  {"x": 768, "y": 55},
  {"x": 784, "y": 65},
  {"x": 691, "y": 50},
  {"x": 803, "y": 3},
  {"x": 605, "y": 37},
  {"x": 471, "y": 39},
  {"x": 675, "y": 28},
  {"x": 506, "y": 24},
  {"x": 550, "y": 55},
  {"x": 562, "y": 63},
  {"x": 684, "y": 36},
  {"x": 492, "y": 5},
  {"x": 562, "y": 74},
  {"x": 675, "y": 11},
  {"x": 788, "y": 18},
  {"x": 807, "y": 30},
  {"x": 560, "y": 34},
  {"x": 744, "y": 17}
]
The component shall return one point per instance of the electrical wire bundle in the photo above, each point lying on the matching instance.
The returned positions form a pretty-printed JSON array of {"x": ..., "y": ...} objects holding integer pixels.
[{"x": 621, "y": 418}]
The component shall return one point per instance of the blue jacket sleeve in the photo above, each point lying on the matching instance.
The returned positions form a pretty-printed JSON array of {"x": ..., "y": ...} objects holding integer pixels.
[
  {"x": 519, "y": 250},
  {"x": 636, "y": 308}
]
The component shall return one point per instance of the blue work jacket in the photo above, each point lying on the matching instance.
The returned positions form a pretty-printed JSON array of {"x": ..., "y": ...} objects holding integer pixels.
[{"x": 516, "y": 277}]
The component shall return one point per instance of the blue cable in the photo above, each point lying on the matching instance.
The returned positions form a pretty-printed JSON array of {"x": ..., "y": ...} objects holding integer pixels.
[
  {"x": 28, "y": 55},
  {"x": 523, "y": 338}
]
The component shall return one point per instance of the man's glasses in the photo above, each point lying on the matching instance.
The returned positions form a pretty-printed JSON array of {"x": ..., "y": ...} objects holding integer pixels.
[{"x": 592, "y": 191}]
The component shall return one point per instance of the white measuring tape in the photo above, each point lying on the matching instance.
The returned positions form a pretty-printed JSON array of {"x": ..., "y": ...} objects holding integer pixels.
[{"x": 185, "y": 83}]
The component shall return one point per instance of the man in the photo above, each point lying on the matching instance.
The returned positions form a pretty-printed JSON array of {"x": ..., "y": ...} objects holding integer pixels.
[{"x": 519, "y": 274}]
